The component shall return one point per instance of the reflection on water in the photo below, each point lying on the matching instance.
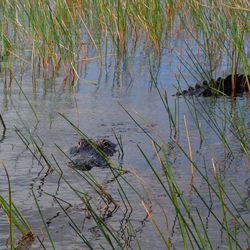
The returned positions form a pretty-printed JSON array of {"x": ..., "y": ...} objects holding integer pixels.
[{"x": 94, "y": 107}]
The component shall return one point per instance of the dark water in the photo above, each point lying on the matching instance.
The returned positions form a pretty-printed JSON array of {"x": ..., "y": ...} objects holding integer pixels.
[{"x": 96, "y": 108}]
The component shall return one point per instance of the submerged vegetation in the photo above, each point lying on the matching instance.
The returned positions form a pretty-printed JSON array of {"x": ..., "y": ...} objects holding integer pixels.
[{"x": 53, "y": 38}]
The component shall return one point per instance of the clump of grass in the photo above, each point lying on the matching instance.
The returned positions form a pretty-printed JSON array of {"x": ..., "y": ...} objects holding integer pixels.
[
  {"x": 189, "y": 223},
  {"x": 15, "y": 218},
  {"x": 63, "y": 33}
]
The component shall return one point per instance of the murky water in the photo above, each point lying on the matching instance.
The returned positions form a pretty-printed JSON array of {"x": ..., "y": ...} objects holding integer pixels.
[{"x": 96, "y": 108}]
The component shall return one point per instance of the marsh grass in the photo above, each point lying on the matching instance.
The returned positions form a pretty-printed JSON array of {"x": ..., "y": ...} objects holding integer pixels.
[
  {"x": 15, "y": 218},
  {"x": 61, "y": 34},
  {"x": 190, "y": 223},
  {"x": 221, "y": 120},
  {"x": 64, "y": 34},
  {"x": 99, "y": 214}
]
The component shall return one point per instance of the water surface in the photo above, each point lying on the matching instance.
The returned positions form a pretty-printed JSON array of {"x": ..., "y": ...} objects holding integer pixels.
[{"x": 96, "y": 107}]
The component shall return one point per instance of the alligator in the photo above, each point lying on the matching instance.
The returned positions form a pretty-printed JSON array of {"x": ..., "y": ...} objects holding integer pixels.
[
  {"x": 221, "y": 86},
  {"x": 91, "y": 153}
]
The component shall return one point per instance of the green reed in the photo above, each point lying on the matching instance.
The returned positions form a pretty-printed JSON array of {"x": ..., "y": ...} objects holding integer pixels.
[
  {"x": 60, "y": 34},
  {"x": 192, "y": 230},
  {"x": 111, "y": 205},
  {"x": 15, "y": 217}
]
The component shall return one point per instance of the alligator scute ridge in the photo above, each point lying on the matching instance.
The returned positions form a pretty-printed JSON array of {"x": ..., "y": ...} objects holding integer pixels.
[{"x": 221, "y": 86}]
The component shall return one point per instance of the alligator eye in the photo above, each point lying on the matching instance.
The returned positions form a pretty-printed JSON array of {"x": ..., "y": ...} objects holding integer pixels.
[
  {"x": 105, "y": 143},
  {"x": 80, "y": 143}
]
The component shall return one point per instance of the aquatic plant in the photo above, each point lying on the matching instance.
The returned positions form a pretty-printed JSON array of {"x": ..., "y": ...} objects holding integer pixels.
[
  {"x": 54, "y": 35},
  {"x": 15, "y": 218},
  {"x": 65, "y": 33}
]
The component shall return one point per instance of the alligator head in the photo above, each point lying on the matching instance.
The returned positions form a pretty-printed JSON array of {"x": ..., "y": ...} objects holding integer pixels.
[{"x": 91, "y": 153}]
